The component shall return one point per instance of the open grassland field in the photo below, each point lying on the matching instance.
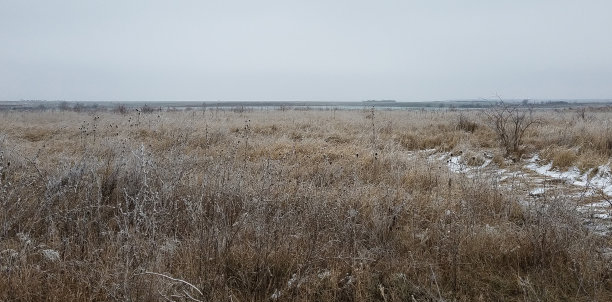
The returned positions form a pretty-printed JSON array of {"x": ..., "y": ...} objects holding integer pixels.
[{"x": 304, "y": 206}]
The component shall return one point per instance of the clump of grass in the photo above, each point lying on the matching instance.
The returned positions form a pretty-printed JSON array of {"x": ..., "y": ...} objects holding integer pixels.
[
  {"x": 499, "y": 160},
  {"x": 563, "y": 158},
  {"x": 589, "y": 159},
  {"x": 473, "y": 159},
  {"x": 465, "y": 124}
]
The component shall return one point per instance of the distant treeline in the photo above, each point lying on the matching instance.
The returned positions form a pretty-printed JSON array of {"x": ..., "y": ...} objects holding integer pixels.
[{"x": 146, "y": 107}]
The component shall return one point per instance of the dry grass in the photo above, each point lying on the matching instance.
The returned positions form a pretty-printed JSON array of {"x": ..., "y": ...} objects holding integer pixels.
[
  {"x": 562, "y": 157},
  {"x": 285, "y": 205}
]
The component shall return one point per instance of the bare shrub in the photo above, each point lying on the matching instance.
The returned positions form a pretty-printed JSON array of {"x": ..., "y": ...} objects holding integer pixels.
[
  {"x": 64, "y": 106},
  {"x": 147, "y": 109},
  {"x": 510, "y": 122},
  {"x": 121, "y": 109},
  {"x": 78, "y": 107}
]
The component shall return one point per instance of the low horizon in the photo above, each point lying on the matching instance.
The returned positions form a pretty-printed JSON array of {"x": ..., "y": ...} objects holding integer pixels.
[{"x": 493, "y": 100}]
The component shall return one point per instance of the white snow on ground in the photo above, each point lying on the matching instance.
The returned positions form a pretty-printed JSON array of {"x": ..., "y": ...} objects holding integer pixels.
[
  {"x": 594, "y": 181},
  {"x": 599, "y": 210},
  {"x": 456, "y": 165},
  {"x": 537, "y": 192},
  {"x": 601, "y": 180},
  {"x": 504, "y": 174}
]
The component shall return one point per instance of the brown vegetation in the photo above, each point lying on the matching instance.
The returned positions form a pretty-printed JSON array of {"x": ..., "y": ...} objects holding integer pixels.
[{"x": 287, "y": 205}]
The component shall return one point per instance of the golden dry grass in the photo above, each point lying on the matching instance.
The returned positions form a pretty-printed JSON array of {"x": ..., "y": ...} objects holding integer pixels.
[{"x": 285, "y": 205}]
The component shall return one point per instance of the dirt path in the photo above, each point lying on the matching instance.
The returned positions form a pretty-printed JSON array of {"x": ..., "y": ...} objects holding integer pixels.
[{"x": 539, "y": 183}]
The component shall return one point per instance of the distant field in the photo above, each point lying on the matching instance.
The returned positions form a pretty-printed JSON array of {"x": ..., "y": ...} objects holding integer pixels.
[{"x": 309, "y": 205}]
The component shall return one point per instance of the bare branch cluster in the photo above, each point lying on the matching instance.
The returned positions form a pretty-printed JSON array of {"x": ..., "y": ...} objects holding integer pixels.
[{"x": 510, "y": 122}]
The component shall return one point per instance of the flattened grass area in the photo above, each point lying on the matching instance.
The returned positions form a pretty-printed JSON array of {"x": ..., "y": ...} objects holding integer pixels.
[{"x": 287, "y": 205}]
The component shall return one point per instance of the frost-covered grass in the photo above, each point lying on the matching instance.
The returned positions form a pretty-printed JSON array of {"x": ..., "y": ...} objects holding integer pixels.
[{"x": 287, "y": 205}]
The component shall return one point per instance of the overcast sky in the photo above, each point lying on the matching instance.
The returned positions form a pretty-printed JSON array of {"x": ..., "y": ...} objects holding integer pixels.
[{"x": 305, "y": 50}]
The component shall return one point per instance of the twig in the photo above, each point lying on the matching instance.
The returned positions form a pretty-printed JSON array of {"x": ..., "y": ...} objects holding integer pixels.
[
  {"x": 173, "y": 279},
  {"x": 436, "y": 282},
  {"x": 190, "y": 297},
  {"x": 29, "y": 160}
]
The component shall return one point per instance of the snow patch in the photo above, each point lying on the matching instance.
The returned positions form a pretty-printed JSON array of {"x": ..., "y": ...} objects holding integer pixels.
[
  {"x": 537, "y": 192},
  {"x": 597, "y": 210},
  {"x": 456, "y": 164},
  {"x": 600, "y": 180}
]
